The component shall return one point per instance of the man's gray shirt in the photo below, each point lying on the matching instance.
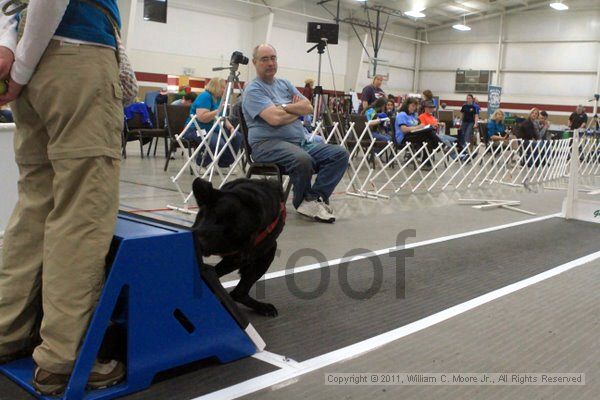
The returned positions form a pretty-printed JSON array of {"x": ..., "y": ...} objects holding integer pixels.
[{"x": 259, "y": 95}]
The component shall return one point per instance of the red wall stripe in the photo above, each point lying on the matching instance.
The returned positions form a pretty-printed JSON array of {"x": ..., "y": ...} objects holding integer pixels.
[
  {"x": 151, "y": 77},
  {"x": 195, "y": 83}
]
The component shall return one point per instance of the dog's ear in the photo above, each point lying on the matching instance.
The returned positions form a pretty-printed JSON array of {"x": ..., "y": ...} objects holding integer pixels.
[{"x": 204, "y": 192}]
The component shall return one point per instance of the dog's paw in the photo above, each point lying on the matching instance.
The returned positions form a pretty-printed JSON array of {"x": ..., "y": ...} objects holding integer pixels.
[{"x": 266, "y": 309}]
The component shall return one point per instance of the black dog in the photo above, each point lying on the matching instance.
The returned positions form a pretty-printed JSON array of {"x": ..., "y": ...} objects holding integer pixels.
[{"x": 240, "y": 223}]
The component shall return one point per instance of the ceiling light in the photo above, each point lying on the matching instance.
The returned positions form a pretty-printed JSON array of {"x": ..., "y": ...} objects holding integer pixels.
[
  {"x": 415, "y": 14},
  {"x": 558, "y": 5},
  {"x": 461, "y": 27}
]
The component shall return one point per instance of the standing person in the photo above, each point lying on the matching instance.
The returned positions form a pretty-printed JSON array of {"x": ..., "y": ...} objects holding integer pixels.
[
  {"x": 186, "y": 100},
  {"x": 271, "y": 109},
  {"x": 371, "y": 92},
  {"x": 528, "y": 127},
  {"x": 308, "y": 89},
  {"x": 578, "y": 119},
  {"x": 529, "y": 134},
  {"x": 470, "y": 118},
  {"x": 67, "y": 148}
]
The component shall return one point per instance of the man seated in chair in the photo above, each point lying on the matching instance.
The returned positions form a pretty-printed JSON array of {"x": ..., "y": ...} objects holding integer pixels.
[{"x": 271, "y": 109}]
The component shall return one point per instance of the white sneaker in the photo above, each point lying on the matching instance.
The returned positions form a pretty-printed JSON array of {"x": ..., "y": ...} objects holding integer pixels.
[
  {"x": 226, "y": 170},
  {"x": 328, "y": 207},
  {"x": 315, "y": 210}
]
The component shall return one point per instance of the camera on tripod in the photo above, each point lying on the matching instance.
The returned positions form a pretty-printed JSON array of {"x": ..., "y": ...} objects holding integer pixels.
[{"x": 237, "y": 57}]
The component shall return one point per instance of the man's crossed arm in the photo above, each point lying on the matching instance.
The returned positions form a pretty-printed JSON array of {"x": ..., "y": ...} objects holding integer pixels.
[{"x": 277, "y": 115}]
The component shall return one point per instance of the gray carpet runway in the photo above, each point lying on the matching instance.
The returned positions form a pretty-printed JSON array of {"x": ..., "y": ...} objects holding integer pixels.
[{"x": 327, "y": 309}]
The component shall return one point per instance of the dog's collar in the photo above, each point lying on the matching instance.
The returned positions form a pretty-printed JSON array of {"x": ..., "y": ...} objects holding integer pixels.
[{"x": 281, "y": 216}]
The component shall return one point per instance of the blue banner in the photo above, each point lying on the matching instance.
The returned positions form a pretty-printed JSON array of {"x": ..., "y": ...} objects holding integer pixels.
[{"x": 494, "y": 93}]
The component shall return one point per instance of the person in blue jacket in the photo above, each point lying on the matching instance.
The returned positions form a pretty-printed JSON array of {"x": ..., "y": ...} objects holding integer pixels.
[
  {"x": 207, "y": 107},
  {"x": 496, "y": 131},
  {"x": 374, "y": 114}
]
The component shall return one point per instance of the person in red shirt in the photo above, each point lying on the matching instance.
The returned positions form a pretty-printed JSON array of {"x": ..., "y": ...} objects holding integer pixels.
[{"x": 427, "y": 118}]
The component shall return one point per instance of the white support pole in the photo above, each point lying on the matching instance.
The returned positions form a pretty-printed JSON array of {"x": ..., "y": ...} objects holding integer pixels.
[
  {"x": 598, "y": 70},
  {"x": 573, "y": 177},
  {"x": 130, "y": 24},
  {"x": 500, "y": 51},
  {"x": 416, "y": 75}
]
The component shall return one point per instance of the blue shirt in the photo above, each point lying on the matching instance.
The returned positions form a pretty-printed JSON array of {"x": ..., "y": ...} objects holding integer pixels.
[
  {"x": 260, "y": 95},
  {"x": 84, "y": 21},
  {"x": 206, "y": 101},
  {"x": 404, "y": 119},
  {"x": 495, "y": 128}
]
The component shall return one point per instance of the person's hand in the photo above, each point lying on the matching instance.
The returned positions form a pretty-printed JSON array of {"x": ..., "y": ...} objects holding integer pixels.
[
  {"x": 14, "y": 90},
  {"x": 229, "y": 126},
  {"x": 7, "y": 58},
  {"x": 296, "y": 99}
]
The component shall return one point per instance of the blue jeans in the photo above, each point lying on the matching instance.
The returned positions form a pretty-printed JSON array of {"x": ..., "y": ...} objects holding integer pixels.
[
  {"x": 301, "y": 161},
  {"x": 227, "y": 158},
  {"x": 380, "y": 137},
  {"x": 466, "y": 132}
]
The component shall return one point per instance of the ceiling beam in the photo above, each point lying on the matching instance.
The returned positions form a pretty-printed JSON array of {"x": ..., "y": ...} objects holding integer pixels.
[{"x": 466, "y": 8}]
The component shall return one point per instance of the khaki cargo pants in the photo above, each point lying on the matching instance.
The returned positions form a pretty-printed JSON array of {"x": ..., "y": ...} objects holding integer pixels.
[{"x": 67, "y": 146}]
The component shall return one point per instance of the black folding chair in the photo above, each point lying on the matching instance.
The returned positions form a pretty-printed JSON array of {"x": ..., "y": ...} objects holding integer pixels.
[
  {"x": 136, "y": 129},
  {"x": 176, "y": 117},
  {"x": 263, "y": 169}
]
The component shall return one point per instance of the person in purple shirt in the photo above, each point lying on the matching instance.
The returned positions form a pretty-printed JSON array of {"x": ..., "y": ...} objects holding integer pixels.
[{"x": 371, "y": 92}]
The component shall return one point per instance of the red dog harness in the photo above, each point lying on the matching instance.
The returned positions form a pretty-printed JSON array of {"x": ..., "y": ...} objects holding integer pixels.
[{"x": 281, "y": 216}]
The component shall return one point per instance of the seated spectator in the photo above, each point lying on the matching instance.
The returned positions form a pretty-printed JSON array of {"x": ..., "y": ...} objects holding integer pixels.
[
  {"x": 427, "y": 118},
  {"x": 542, "y": 126},
  {"x": 390, "y": 109},
  {"x": 496, "y": 131},
  {"x": 374, "y": 113},
  {"x": 207, "y": 107},
  {"x": 578, "y": 119},
  {"x": 186, "y": 100},
  {"x": 425, "y": 97},
  {"x": 271, "y": 109},
  {"x": 408, "y": 129},
  {"x": 309, "y": 133}
]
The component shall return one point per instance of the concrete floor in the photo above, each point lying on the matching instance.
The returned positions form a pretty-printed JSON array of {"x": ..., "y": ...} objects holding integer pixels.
[
  {"x": 520, "y": 332},
  {"x": 543, "y": 317}
]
